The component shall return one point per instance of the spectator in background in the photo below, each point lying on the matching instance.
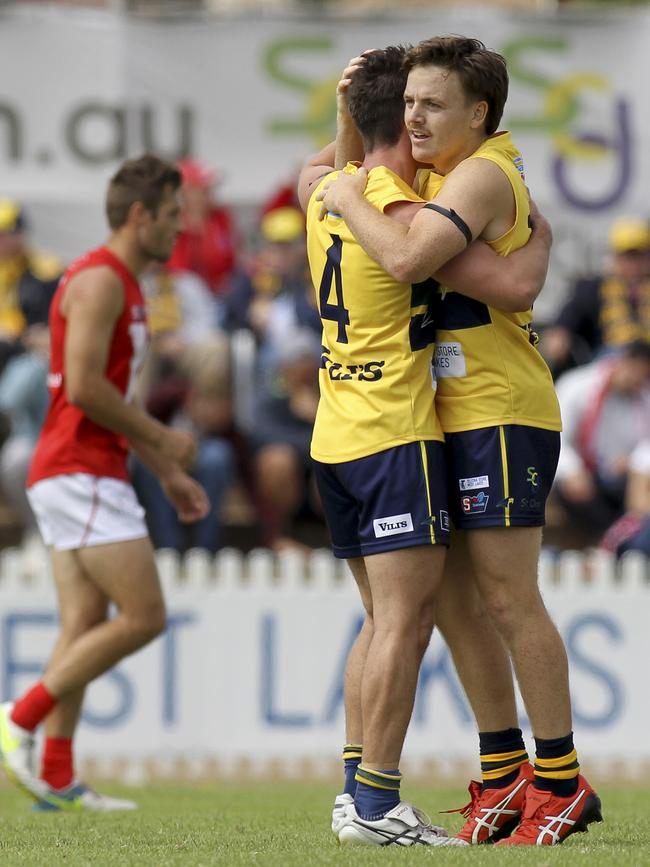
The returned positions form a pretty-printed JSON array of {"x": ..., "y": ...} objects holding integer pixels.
[
  {"x": 23, "y": 404},
  {"x": 195, "y": 398},
  {"x": 28, "y": 278},
  {"x": 632, "y": 531},
  {"x": 606, "y": 413},
  {"x": 286, "y": 403},
  {"x": 207, "y": 243},
  {"x": 275, "y": 292},
  {"x": 607, "y": 311}
]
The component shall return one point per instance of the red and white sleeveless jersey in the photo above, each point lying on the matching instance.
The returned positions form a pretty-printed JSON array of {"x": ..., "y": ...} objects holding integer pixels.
[{"x": 70, "y": 442}]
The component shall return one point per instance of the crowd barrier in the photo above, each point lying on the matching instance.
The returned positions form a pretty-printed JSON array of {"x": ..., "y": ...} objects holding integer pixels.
[{"x": 247, "y": 679}]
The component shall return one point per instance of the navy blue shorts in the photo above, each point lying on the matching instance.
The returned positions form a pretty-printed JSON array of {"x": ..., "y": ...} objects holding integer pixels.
[
  {"x": 393, "y": 499},
  {"x": 501, "y": 476}
]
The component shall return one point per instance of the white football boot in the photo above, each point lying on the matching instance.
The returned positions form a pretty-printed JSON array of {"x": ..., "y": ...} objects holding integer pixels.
[
  {"x": 17, "y": 753},
  {"x": 404, "y": 825},
  {"x": 338, "y": 811},
  {"x": 78, "y": 796}
]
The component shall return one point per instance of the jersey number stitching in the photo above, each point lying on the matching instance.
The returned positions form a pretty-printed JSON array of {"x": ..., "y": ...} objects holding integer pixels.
[{"x": 334, "y": 312}]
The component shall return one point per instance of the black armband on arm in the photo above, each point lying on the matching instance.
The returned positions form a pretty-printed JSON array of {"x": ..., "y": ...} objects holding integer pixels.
[{"x": 455, "y": 219}]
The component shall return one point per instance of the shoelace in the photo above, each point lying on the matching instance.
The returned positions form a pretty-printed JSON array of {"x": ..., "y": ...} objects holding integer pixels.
[
  {"x": 470, "y": 808},
  {"x": 422, "y": 818}
]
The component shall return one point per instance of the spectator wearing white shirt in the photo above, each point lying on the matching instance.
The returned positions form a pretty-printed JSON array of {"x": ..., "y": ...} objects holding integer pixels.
[{"x": 605, "y": 413}]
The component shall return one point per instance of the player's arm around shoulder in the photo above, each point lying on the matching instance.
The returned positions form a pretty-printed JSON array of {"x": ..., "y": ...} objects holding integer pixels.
[
  {"x": 313, "y": 171},
  {"x": 508, "y": 283}
]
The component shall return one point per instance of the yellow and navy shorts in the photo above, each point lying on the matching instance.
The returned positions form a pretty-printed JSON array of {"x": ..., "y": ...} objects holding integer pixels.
[
  {"x": 500, "y": 476},
  {"x": 389, "y": 500}
]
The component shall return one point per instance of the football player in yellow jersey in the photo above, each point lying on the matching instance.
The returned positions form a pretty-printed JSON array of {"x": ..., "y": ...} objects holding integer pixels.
[
  {"x": 500, "y": 417},
  {"x": 377, "y": 445}
]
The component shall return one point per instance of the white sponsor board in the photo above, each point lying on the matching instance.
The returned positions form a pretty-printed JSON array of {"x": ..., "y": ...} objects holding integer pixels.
[
  {"x": 256, "y": 96},
  {"x": 257, "y": 673}
]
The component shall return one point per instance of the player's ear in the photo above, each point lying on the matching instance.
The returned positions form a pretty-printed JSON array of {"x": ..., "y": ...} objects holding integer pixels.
[
  {"x": 138, "y": 213},
  {"x": 480, "y": 113}
]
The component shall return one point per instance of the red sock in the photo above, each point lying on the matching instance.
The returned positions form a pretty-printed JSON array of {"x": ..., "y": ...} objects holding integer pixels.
[
  {"x": 33, "y": 707},
  {"x": 56, "y": 764}
]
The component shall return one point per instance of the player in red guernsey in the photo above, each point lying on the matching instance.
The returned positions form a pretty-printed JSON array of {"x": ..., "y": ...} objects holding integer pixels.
[{"x": 78, "y": 483}]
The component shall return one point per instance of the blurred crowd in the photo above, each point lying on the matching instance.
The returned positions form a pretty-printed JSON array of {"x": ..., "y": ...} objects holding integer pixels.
[{"x": 234, "y": 358}]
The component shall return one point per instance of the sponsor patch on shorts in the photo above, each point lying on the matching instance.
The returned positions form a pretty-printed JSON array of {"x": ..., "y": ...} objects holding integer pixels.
[
  {"x": 475, "y": 504},
  {"x": 392, "y": 525},
  {"x": 473, "y": 483},
  {"x": 444, "y": 520}
]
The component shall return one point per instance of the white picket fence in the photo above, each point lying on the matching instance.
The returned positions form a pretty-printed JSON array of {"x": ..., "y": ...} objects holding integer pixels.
[
  {"x": 28, "y": 566},
  {"x": 246, "y": 682}
]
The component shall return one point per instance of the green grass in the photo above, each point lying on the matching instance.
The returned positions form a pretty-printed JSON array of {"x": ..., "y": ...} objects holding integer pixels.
[{"x": 283, "y": 825}]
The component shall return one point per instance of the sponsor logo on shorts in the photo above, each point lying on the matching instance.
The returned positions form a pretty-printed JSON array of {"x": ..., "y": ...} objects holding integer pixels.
[
  {"x": 444, "y": 520},
  {"x": 530, "y": 504},
  {"x": 393, "y": 525},
  {"x": 473, "y": 483},
  {"x": 505, "y": 503},
  {"x": 474, "y": 504},
  {"x": 532, "y": 476}
]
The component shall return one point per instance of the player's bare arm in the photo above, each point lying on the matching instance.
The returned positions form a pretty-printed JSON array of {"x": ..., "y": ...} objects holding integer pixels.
[
  {"x": 348, "y": 141},
  {"x": 476, "y": 190},
  {"x": 315, "y": 168},
  {"x": 186, "y": 494},
  {"x": 92, "y": 304},
  {"x": 509, "y": 283}
]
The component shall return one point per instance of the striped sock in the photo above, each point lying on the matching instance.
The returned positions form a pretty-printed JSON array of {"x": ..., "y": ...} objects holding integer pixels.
[
  {"x": 502, "y": 754},
  {"x": 377, "y": 792},
  {"x": 351, "y": 760},
  {"x": 556, "y": 765}
]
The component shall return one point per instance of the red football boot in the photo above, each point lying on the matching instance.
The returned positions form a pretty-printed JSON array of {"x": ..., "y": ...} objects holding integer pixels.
[
  {"x": 494, "y": 813},
  {"x": 548, "y": 819}
]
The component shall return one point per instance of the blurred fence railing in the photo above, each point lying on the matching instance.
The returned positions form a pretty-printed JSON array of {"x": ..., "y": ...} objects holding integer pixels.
[{"x": 28, "y": 567}]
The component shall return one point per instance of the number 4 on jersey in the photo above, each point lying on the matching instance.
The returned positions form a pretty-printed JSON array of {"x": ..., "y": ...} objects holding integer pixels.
[{"x": 332, "y": 271}]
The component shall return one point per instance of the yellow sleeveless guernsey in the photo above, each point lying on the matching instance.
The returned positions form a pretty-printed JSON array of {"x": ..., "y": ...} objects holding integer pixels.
[
  {"x": 376, "y": 388},
  {"x": 488, "y": 371}
]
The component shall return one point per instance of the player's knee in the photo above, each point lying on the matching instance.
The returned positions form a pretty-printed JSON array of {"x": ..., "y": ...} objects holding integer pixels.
[{"x": 146, "y": 625}]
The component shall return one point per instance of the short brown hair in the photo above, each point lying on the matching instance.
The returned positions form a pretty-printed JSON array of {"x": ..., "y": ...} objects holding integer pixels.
[
  {"x": 139, "y": 180},
  {"x": 376, "y": 96},
  {"x": 483, "y": 73}
]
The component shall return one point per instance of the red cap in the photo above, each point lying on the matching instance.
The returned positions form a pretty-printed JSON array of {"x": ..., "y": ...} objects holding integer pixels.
[{"x": 196, "y": 173}]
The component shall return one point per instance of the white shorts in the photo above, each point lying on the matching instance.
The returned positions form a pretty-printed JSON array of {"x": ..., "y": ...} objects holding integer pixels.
[{"x": 78, "y": 510}]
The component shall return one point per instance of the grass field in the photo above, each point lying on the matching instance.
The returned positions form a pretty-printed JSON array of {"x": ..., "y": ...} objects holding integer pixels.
[{"x": 283, "y": 825}]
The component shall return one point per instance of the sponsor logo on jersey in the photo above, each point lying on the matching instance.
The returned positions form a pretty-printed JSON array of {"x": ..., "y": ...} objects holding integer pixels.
[
  {"x": 474, "y": 504},
  {"x": 475, "y": 482},
  {"x": 519, "y": 165},
  {"x": 369, "y": 371},
  {"x": 392, "y": 525},
  {"x": 54, "y": 380},
  {"x": 449, "y": 359}
]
